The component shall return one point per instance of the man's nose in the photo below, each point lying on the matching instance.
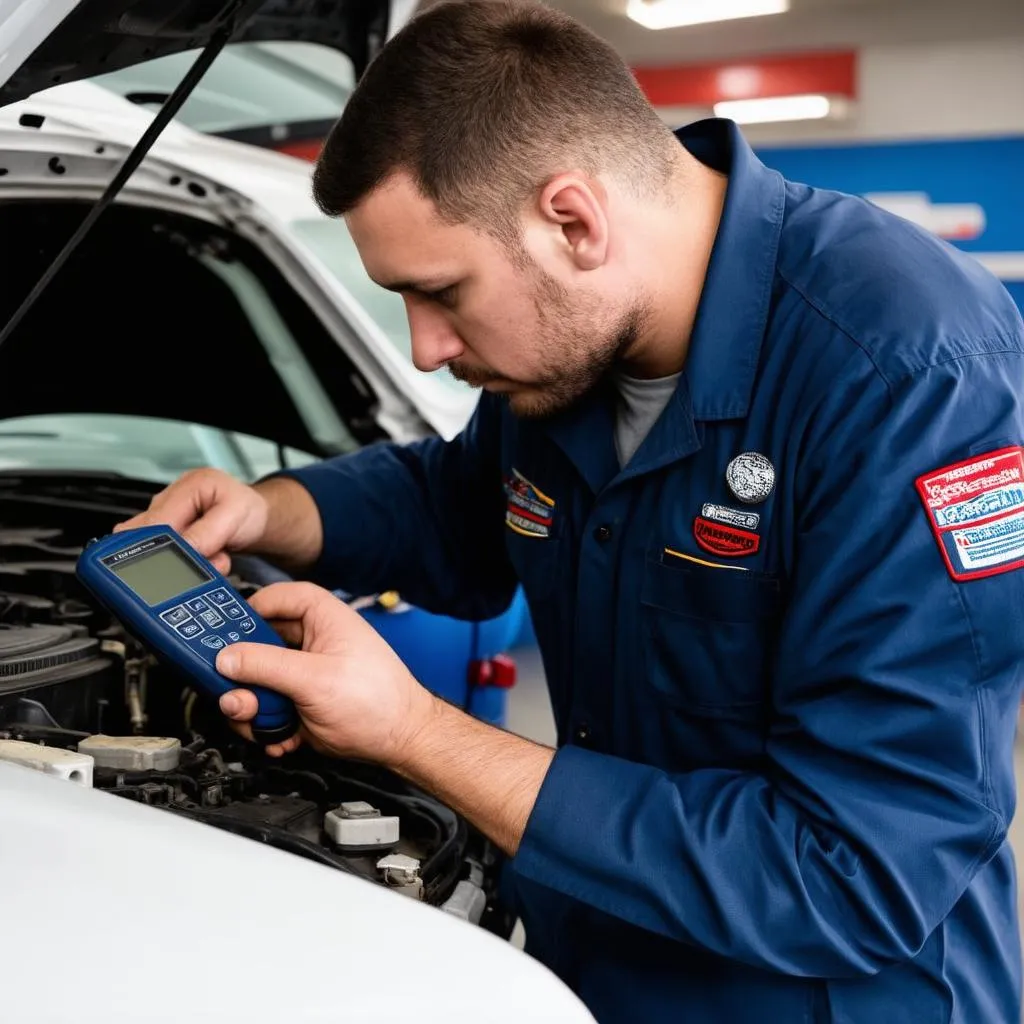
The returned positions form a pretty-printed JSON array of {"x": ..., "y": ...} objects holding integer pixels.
[{"x": 434, "y": 342}]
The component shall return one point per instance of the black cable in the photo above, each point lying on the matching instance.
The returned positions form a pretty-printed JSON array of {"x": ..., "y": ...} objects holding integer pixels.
[
  {"x": 45, "y": 733},
  {"x": 268, "y": 834},
  {"x": 181, "y": 92}
]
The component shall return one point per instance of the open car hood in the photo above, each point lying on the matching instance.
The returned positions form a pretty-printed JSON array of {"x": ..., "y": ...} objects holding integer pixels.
[
  {"x": 49, "y": 42},
  {"x": 63, "y": 42}
]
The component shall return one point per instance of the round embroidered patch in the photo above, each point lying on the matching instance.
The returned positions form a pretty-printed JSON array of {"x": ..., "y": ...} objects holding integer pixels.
[{"x": 751, "y": 477}]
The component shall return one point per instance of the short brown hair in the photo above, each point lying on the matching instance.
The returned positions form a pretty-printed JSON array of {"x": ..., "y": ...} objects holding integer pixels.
[{"x": 481, "y": 101}]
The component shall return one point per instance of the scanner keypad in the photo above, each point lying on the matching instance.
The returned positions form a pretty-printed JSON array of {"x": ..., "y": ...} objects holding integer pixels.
[{"x": 202, "y": 618}]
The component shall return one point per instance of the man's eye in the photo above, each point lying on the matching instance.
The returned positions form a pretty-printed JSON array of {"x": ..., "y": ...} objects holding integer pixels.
[{"x": 444, "y": 297}]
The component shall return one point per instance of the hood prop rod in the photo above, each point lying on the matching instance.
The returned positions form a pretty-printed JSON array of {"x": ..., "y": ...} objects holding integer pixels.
[{"x": 163, "y": 116}]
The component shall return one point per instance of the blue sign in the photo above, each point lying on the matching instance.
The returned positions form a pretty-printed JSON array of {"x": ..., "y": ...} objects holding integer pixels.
[{"x": 968, "y": 191}]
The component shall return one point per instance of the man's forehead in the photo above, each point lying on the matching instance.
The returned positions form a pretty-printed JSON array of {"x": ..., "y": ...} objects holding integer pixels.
[
  {"x": 400, "y": 236},
  {"x": 396, "y": 210}
]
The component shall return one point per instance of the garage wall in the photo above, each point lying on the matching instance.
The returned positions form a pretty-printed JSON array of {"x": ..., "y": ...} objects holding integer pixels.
[
  {"x": 929, "y": 91},
  {"x": 937, "y": 134},
  {"x": 918, "y": 91}
]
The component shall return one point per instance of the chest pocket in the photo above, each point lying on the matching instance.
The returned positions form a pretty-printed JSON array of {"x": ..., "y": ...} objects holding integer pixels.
[{"x": 710, "y": 639}]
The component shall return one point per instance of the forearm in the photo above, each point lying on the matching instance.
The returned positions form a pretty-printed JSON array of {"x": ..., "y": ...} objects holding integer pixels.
[
  {"x": 293, "y": 537},
  {"x": 490, "y": 777}
]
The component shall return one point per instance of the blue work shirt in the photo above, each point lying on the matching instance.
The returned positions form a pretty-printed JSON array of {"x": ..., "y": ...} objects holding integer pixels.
[{"x": 785, "y": 726}]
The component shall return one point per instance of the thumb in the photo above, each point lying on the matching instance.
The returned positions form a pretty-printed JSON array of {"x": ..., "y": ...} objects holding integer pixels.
[
  {"x": 277, "y": 668},
  {"x": 239, "y": 705}
]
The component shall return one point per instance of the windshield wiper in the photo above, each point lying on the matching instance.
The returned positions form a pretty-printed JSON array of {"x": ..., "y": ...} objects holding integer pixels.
[{"x": 184, "y": 88}]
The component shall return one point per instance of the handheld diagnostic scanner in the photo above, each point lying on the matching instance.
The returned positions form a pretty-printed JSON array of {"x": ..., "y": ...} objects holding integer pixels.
[{"x": 175, "y": 602}]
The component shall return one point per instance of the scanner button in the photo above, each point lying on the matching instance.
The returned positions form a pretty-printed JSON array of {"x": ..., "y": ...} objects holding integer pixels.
[
  {"x": 190, "y": 629},
  {"x": 246, "y": 625},
  {"x": 214, "y": 641},
  {"x": 197, "y": 605},
  {"x": 219, "y": 596},
  {"x": 211, "y": 618},
  {"x": 233, "y": 611},
  {"x": 176, "y": 616}
]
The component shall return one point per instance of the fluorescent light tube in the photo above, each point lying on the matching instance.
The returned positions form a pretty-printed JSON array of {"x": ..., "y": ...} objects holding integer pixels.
[
  {"x": 657, "y": 14},
  {"x": 774, "y": 108}
]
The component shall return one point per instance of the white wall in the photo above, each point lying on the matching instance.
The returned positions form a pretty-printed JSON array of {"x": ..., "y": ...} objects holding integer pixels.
[{"x": 917, "y": 90}]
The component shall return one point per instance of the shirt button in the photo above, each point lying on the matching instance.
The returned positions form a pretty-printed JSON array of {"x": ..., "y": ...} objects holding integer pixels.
[
  {"x": 582, "y": 732},
  {"x": 603, "y": 533}
]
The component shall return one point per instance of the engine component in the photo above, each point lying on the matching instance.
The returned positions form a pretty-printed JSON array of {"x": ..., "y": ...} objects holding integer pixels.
[
  {"x": 358, "y": 825},
  {"x": 81, "y": 699},
  {"x": 399, "y": 869},
  {"x": 468, "y": 902},
  {"x": 51, "y": 760},
  {"x": 51, "y": 675},
  {"x": 133, "y": 753},
  {"x": 32, "y": 656}
]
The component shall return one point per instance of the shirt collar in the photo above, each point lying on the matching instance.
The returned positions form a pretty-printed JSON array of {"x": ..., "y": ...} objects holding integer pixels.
[{"x": 733, "y": 312}]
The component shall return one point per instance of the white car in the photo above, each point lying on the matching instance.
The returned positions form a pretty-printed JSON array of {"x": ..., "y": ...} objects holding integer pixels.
[{"x": 156, "y": 868}]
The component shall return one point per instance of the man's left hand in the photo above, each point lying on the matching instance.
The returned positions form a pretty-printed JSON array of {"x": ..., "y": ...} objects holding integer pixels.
[{"x": 353, "y": 693}]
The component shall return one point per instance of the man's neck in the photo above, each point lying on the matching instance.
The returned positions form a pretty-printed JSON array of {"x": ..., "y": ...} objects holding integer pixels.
[{"x": 677, "y": 257}]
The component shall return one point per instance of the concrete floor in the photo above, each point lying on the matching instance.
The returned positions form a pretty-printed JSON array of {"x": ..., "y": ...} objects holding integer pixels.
[
  {"x": 529, "y": 715},
  {"x": 529, "y": 709}
]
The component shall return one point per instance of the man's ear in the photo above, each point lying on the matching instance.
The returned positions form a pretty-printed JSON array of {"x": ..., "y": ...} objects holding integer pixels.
[{"x": 579, "y": 206}]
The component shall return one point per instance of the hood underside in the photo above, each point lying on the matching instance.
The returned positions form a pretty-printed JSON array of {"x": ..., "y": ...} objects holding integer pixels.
[
  {"x": 147, "y": 294},
  {"x": 228, "y": 344},
  {"x": 99, "y": 36}
]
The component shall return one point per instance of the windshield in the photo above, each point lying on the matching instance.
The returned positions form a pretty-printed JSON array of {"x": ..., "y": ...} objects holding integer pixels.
[
  {"x": 250, "y": 85},
  {"x": 330, "y": 242},
  {"x": 143, "y": 448}
]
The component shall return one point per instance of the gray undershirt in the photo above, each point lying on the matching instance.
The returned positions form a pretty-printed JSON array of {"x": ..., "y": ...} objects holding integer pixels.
[{"x": 639, "y": 404}]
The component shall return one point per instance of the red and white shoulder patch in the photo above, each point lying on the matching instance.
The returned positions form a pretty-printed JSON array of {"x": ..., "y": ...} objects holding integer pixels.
[{"x": 976, "y": 510}]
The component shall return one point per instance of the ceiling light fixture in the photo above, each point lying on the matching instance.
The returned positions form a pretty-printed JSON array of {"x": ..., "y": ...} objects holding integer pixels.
[
  {"x": 658, "y": 14},
  {"x": 775, "y": 108}
]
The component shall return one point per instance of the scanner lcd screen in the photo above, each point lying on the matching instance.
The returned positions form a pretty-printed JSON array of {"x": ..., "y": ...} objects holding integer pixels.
[{"x": 160, "y": 575}]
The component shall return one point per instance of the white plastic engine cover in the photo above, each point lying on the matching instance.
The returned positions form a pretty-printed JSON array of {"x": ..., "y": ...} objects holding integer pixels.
[
  {"x": 358, "y": 824},
  {"x": 133, "y": 753},
  {"x": 52, "y": 760}
]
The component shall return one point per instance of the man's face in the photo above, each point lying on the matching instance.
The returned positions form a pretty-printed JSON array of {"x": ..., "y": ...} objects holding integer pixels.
[{"x": 533, "y": 329}]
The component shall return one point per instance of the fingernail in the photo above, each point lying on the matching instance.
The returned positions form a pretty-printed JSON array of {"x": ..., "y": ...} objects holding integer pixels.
[
  {"x": 230, "y": 704},
  {"x": 227, "y": 662}
]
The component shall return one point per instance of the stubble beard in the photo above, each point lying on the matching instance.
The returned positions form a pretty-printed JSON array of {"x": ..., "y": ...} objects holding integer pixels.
[
  {"x": 581, "y": 362},
  {"x": 577, "y": 363}
]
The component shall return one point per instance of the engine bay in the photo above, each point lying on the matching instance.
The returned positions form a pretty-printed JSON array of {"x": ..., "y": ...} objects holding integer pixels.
[{"x": 79, "y": 697}]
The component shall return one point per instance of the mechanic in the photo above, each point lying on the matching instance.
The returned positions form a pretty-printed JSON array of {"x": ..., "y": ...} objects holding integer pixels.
[{"x": 753, "y": 451}]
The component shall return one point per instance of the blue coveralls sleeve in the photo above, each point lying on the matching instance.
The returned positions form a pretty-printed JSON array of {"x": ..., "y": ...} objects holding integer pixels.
[
  {"x": 424, "y": 519},
  {"x": 894, "y": 684}
]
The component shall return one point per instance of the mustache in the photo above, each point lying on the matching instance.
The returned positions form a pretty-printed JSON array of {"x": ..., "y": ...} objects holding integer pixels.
[{"x": 474, "y": 376}]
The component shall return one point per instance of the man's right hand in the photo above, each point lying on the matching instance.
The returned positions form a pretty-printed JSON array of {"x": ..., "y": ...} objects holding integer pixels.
[{"x": 213, "y": 511}]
